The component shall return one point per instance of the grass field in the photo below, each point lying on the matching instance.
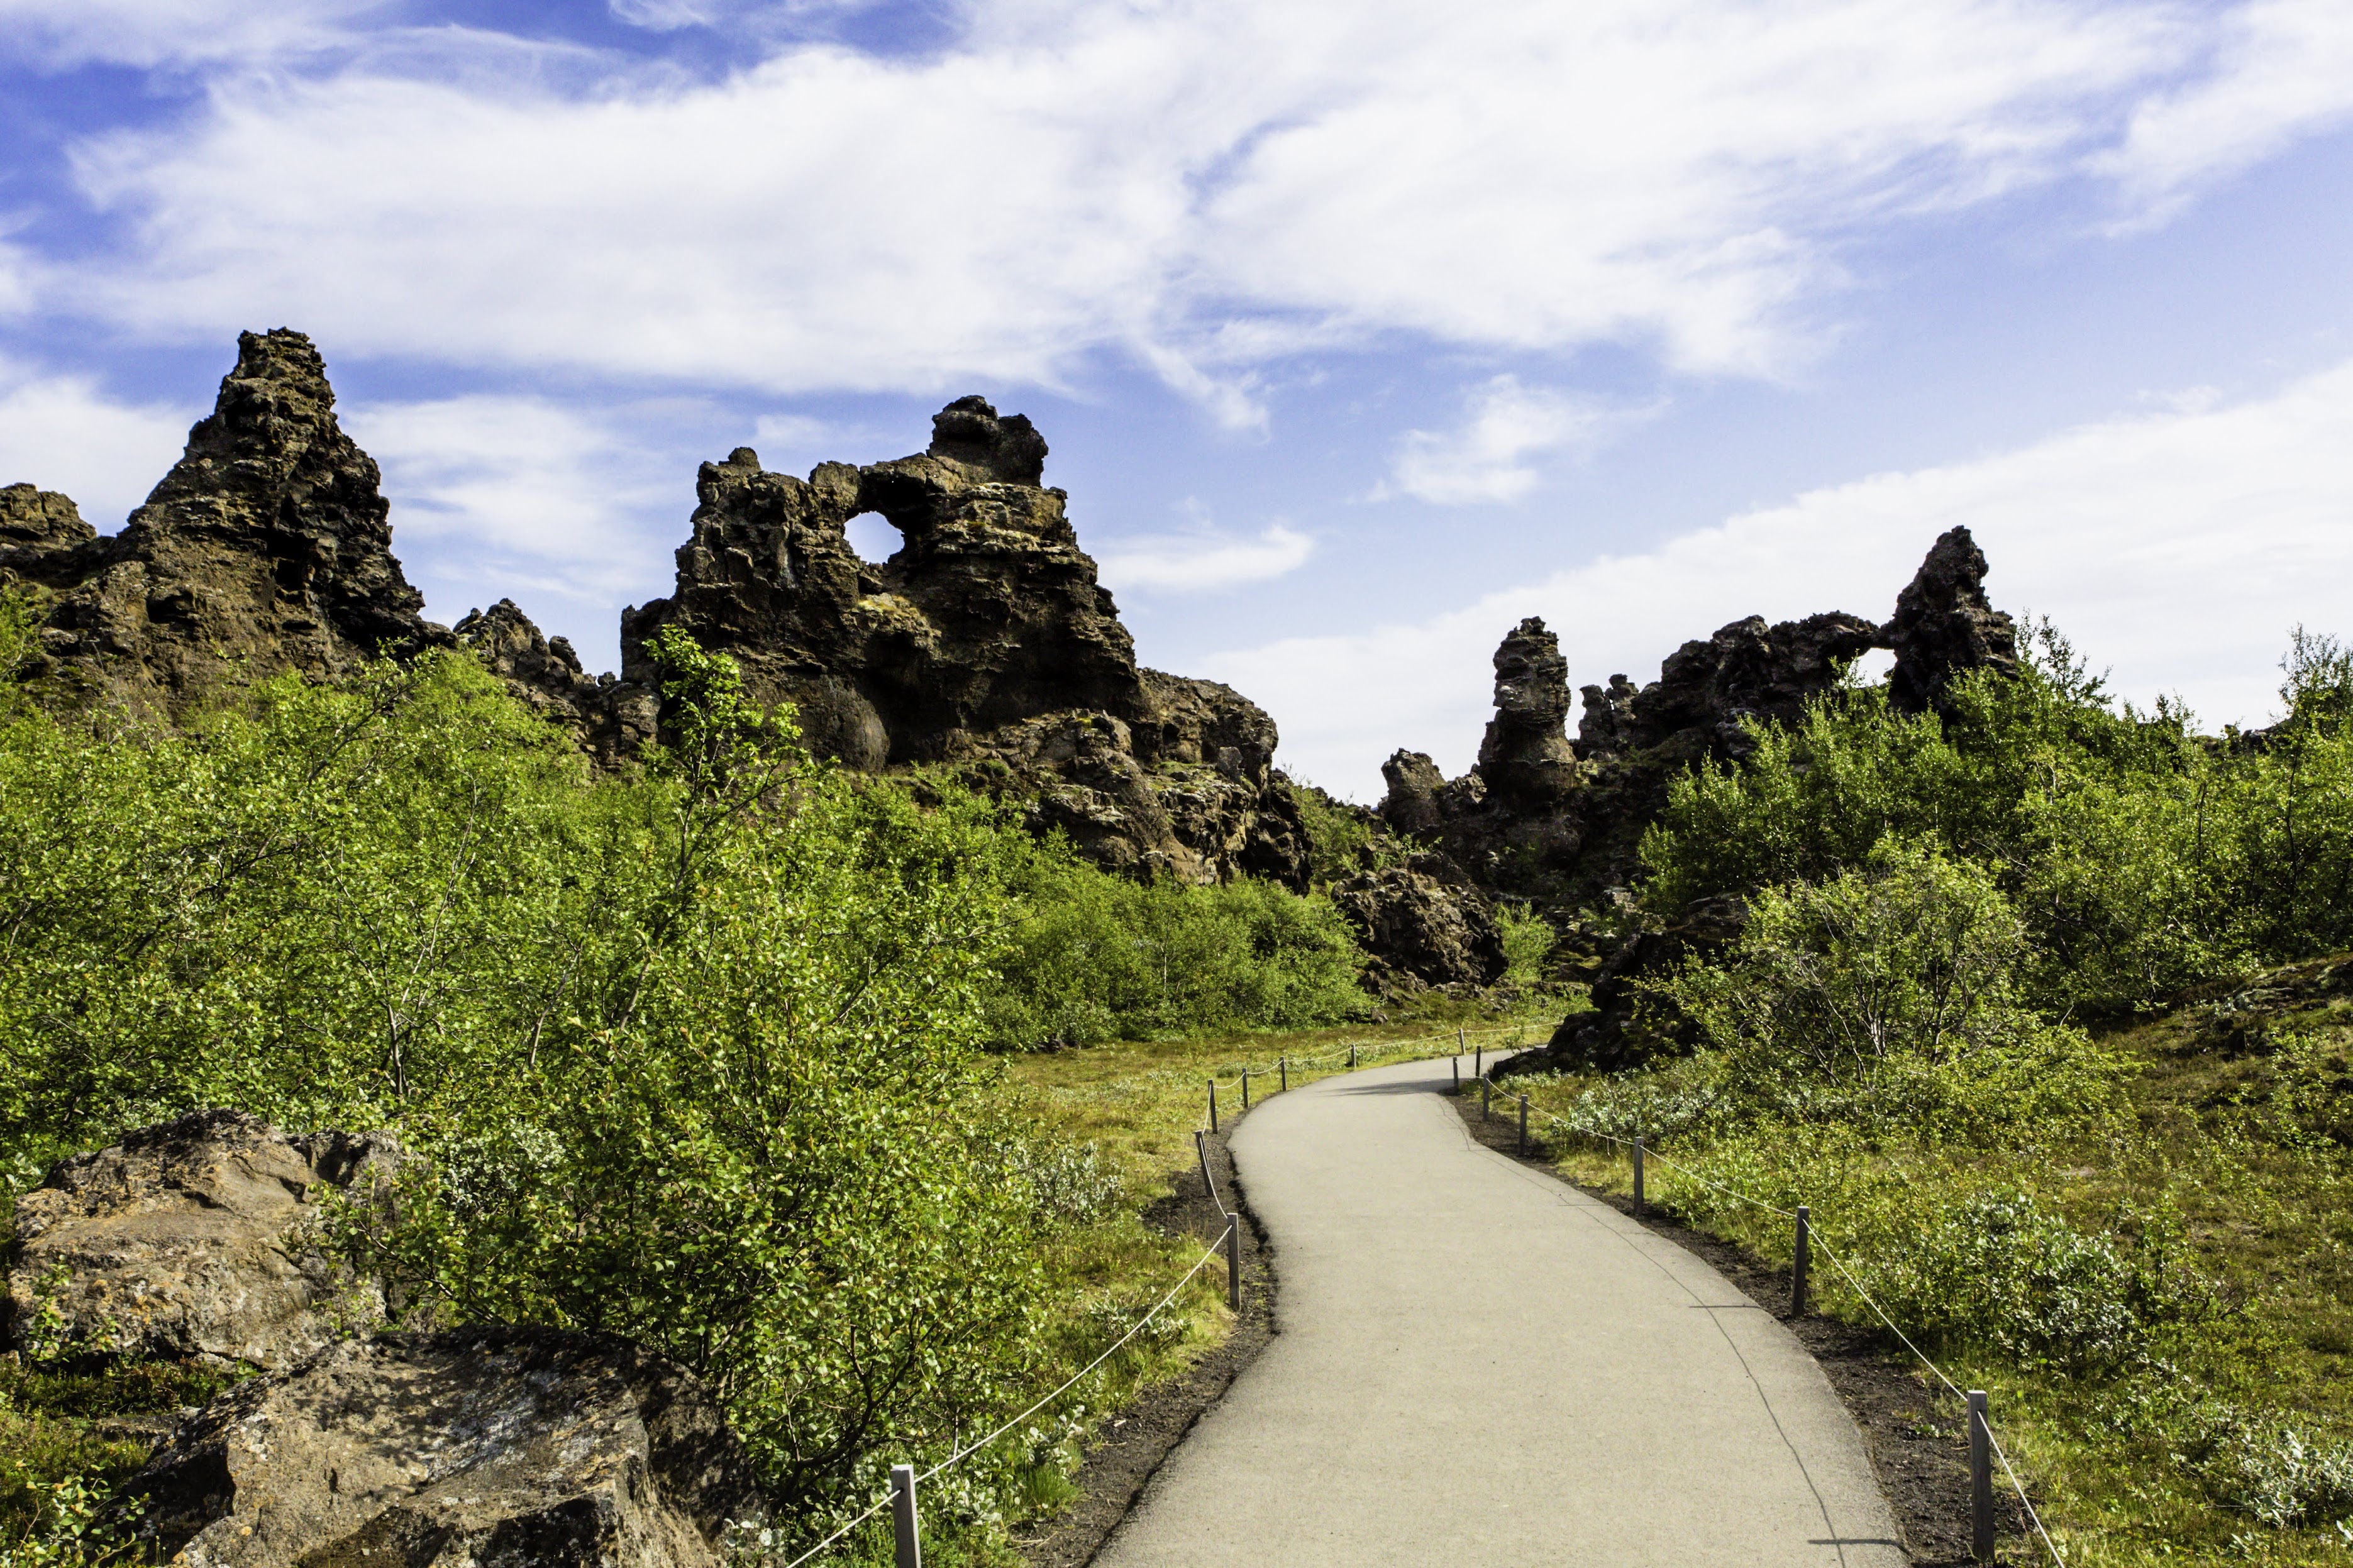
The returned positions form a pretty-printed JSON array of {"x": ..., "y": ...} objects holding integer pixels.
[{"x": 2169, "y": 1356}]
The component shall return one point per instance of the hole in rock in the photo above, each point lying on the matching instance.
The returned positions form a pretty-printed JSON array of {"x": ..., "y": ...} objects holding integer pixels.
[
  {"x": 1874, "y": 664},
  {"x": 871, "y": 535}
]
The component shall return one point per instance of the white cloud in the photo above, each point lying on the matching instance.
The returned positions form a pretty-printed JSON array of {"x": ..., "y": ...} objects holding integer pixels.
[
  {"x": 1187, "y": 563},
  {"x": 2283, "y": 70},
  {"x": 522, "y": 498},
  {"x": 2176, "y": 547},
  {"x": 1203, "y": 184},
  {"x": 64, "y": 433},
  {"x": 1487, "y": 458}
]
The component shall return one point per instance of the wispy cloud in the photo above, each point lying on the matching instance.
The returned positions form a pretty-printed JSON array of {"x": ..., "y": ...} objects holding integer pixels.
[
  {"x": 2282, "y": 70},
  {"x": 1204, "y": 186},
  {"x": 1493, "y": 456},
  {"x": 2177, "y": 547},
  {"x": 567, "y": 512},
  {"x": 67, "y": 433},
  {"x": 60, "y": 34},
  {"x": 1194, "y": 562}
]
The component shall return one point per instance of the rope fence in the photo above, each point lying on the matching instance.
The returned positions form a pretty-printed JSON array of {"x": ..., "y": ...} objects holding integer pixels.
[
  {"x": 1984, "y": 1446},
  {"x": 901, "y": 1497},
  {"x": 904, "y": 1479}
]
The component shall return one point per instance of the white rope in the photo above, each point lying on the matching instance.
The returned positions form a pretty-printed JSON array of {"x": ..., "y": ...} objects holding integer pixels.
[
  {"x": 971, "y": 1448},
  {"x": 837, "y": 1534},
  {"x": 2024, "y": 1501},
  {"x": 1857, "y": 1285}
]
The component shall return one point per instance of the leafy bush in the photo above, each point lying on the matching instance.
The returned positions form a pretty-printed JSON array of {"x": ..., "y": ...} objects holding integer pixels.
[
  {"x": 1095, "y": 957},
  {"x": 1892, "y": 992},
  {"x": 2141, "y": 859},
  {"x": 1528, "y": 941},
  {"x": 1998, "y": 1268}
]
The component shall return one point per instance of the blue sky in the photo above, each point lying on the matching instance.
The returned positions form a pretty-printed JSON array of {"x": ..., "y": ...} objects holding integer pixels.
[{"x": 1359, "y": 332}]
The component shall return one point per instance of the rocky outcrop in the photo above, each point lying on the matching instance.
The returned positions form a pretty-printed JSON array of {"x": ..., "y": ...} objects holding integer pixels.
[
  {"x": 1613, "y": 1034},
  {"x": 612, "y": 721},
  {"x": 1525, "y": 760},
  {"x": 196, "y": 1240},
  {"x": 1422, "y": 924},
  {"x": 1944, "y": 626},
  {"x": 1560, "y": 823},
  {"x": 43, "y": 539},
  {"x": 267, "y": 548},
  {"x": 505, "y": 1448},
  {"x": 1711, "y": 688},
  {"x": 984, "y": 644}
]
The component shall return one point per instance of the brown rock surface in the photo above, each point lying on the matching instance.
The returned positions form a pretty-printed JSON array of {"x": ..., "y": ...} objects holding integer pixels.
[
  {"x": 1525, "y": 758},
  {"x": 502, "y": 1447},
  {"x": 1422, "y": 923},
  {"x": 983, "y": 643},
  {"x": 265, "y": 549},
  {"x": 1944, "y": 624},
  {"x": 194, "y": 1240}
]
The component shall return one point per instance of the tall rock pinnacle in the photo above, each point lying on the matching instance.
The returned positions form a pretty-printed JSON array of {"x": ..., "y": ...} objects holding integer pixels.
[
  {"x": 1944, "y": 624},
  {"x": 266, "y": 547},
  {"x": 1526, "y": 758}
]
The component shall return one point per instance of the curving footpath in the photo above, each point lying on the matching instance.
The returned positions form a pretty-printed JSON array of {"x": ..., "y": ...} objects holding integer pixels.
[{"x": 1476, "y": 1364}]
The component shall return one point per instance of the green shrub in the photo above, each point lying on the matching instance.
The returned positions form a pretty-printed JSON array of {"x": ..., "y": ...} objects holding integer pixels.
[
  {"x": 1893, "y": 994},
  {"x": 1528, "y": 941},
  {"x": 1094, "y": 957},
  {"x": 2142, "y": 860}
]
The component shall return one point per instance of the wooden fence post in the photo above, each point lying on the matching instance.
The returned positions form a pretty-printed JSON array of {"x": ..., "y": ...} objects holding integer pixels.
[
  {"x": 1980, "y": 1480},
  {"x": 1234, "y": 1261},
  {"x": 1245, "y": 1088},
  {"x": 1284, "y": 1063},
  {"x": 1798, "y": 1272},
  {"x": 1524, "y": 1124},
  {"x": 1213, "y": 1105},
  {"x": 1456, "y": 1063},
  {"x": 903, "y": 1517},
  {"x": 1637, "y": 1173},
  {"x": 1352, "y": 1058}
]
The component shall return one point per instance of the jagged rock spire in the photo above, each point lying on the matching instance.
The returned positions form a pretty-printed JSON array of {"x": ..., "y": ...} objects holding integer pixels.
[
  {"x": 1943, "y": 626},
  {"x": 1525, "y": 756},
  {"x": 266, "y": 547}
]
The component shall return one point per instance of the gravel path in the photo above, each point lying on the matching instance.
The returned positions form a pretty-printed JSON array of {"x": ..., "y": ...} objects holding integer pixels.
[{"x": 1475, "y": 1364}]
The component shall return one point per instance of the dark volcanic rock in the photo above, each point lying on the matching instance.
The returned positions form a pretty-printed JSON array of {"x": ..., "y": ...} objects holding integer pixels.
[
  {"x": 1525, "y": 758},
  {"x": 265, "y": 549},
  {"x": 612, "y": 720},
  {"x": 505, "y": 1448},
  {"x": 983, "y": 643},
  {"x": 1943, "y": 626},
  {"x": 1607, "y": 1037},
  {"x": 1421, "y": 922},
  {"x": 1561, "y": 824},
  {"x": 1708, "y": 687},
  {"x": 43, "y": 539},
  {"x": 194, "y": 1240}
]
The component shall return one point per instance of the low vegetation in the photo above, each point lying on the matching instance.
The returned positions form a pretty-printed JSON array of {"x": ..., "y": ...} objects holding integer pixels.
[
  {"x": 699, "y": 1054},
  {"x": 2044, "y": 1011}
]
